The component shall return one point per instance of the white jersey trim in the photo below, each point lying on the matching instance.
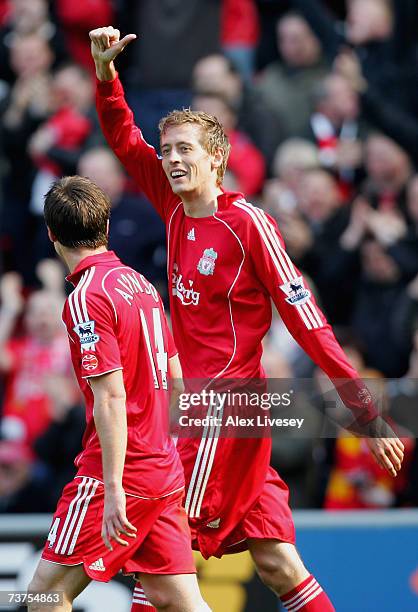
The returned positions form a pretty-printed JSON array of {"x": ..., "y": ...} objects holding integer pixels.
[
  {"x": 168, "y": 237},
  {"x": 102, "y": 373},
  {"x": 284, "y": 265}
]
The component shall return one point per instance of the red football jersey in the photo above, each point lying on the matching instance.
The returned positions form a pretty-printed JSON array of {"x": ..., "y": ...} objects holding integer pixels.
[
  {"x": 223, "y": 271},
  {"x": 115, "y": 321}
]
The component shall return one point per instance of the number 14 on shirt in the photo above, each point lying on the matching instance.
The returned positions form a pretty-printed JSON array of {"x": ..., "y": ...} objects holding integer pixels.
[{"x": 158, "y": 356}]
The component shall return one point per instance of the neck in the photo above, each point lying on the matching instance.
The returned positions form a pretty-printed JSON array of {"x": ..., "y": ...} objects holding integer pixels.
[
  {"x": 72, "y": 257},
  {"x": 201, "y": 205}
]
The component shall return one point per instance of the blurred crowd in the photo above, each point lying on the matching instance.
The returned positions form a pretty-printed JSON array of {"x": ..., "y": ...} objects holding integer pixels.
[{"x": 320, "y": 102}]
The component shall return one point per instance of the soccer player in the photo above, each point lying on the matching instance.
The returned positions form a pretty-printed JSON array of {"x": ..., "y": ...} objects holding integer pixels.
[
  {"x": 123, "y": 510},
  {"x": 226, "y": 259}
]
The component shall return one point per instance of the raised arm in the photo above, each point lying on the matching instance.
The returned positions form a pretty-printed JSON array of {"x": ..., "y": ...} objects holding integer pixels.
[{"x": 116, "y": 118}]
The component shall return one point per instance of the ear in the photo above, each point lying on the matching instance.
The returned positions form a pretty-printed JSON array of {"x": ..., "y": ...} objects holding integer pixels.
[
  {"x": 51, "y": 236},
  {"x": 218, "y": 157},
  {"x": 107, "y": 228}
]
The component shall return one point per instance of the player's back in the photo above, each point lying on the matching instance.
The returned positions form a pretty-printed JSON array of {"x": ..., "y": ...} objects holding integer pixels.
[{"x": 121, "y": 326}]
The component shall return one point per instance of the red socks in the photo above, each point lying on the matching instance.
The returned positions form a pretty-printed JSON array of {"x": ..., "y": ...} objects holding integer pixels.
[
  {"x": 308, "y": 596},
  {"x": 140, "y": 602}
]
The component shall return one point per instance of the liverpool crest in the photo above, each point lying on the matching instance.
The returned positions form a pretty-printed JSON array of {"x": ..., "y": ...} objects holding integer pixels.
[{"x": 206, "y": 263}]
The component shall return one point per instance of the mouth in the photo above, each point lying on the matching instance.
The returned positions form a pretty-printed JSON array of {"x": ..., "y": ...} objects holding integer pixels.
[{"x": 178, "y": 174}]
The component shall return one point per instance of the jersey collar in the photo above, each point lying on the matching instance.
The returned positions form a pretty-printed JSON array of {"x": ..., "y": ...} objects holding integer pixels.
[
  {"x": 227, "y": 197},
  {"x": 107, "y": 257}
]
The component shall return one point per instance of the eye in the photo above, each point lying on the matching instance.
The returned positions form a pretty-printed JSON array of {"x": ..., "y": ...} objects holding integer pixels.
[{"x": 184, "y": 149}]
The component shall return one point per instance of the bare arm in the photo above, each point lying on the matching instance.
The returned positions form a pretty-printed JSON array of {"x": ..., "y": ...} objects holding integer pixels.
[{"x": 110, "y": 421}]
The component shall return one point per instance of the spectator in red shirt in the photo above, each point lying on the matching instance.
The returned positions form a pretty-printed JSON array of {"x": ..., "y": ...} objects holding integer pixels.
[
  {"x": 76, "y": 19},
  {"x": 33, "y": 361}
]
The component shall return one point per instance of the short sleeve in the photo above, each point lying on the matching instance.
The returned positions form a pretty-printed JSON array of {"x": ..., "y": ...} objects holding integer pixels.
[{"x": 91, "y": 327}]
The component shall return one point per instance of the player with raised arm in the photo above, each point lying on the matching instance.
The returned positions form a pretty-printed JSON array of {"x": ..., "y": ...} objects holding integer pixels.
[
  {"x": 123, "y": 510},
  {"x": 226, "y": 260}
]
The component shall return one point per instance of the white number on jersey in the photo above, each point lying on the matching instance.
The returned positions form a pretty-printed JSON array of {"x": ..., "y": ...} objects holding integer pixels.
[
  {"x": 52, "y": 535},
  {"x": 161, "y": 353}
]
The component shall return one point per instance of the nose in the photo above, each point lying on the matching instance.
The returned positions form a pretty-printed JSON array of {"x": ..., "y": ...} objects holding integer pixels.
[{"x": 174, "y": 156}]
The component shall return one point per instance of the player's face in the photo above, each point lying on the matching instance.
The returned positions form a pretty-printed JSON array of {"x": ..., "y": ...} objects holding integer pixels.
[{"x": 187, "y": 164}]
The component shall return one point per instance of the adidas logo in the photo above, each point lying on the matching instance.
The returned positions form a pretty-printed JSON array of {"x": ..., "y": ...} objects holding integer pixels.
[
  {"x": 214, "y": 524},
  {"x": 190, "y": 235},
  {"x": 98, "y": 566}
]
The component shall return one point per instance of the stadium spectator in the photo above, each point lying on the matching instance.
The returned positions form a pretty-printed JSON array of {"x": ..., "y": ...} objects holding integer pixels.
[
  {"x": 240, "y": 31},
  {"x": 388, "y": 170},
  {"x": 383, "y": 279},
  {"x": 28, "y": 17},
  {"x": 245, "y": 161},
  {"x": 383, "y": 65},
  {"x": 136, "y": 233},
  {"x": 21, "y": 491},
  {"x": 32, "y": 361},
  {"x": 287, "y": 84},
  {"x": 56, "y": 447},
  {"x": 76, "y": 19},
  {"x": 216, "y": 74},
  {"x": 27, "y": 106},
  {"x": 57, "y": 144},
  {"x": 336, "y": 128},
  {"x": 312, "y": 233},
  {"x": 394, "y": 120},
  {"x": 354, "y": 482},
  {"x": 291, "y": 160},
  {"x": 156, "y": 83},
  {"x": 4, "y": 11}
]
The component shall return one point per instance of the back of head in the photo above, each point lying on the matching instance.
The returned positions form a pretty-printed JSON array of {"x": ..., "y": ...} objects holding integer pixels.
[{"x": 77, "y": 213}]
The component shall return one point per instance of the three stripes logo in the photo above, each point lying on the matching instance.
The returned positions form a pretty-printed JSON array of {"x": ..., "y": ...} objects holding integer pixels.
[
  {"x": 98, "y": 566},
  {"x": 190, "y": 235}
]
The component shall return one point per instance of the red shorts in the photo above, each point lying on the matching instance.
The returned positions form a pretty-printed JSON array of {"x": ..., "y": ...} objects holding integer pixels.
[
  {"x": 162, "y": 544},
  {"x": 269, "y": 519}
]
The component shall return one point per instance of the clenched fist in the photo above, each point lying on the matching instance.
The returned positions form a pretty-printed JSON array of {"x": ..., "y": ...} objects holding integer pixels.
[{"x": 105, "y": 47}]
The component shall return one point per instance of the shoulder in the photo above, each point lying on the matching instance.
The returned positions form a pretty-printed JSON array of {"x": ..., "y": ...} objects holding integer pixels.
[
  {"x": 94, "y": 295},
  {"x": 248, "y": 216}
]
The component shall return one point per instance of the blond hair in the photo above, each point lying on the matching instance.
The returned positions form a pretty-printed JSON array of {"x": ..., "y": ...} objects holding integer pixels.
[{"x": 214, "y": 136}]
